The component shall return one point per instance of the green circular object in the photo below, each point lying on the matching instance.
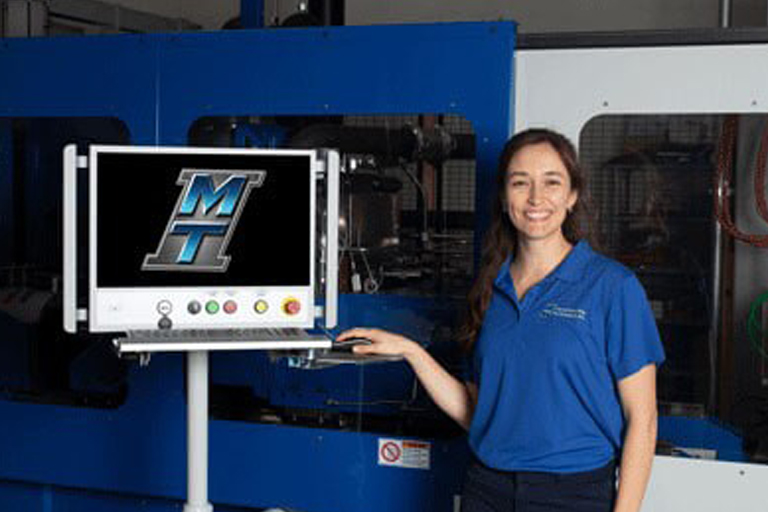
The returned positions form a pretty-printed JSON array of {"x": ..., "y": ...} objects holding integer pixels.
[{"x": 212, "y": 307}]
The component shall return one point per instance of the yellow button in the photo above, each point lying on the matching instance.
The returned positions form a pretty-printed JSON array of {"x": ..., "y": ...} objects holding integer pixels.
[{"x": 261, "y": 306}]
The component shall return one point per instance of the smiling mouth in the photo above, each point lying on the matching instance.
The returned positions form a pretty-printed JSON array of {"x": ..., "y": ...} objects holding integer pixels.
[{"x": 537, "y": 216}]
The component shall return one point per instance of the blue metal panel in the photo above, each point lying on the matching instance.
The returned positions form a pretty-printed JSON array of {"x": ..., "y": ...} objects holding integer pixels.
[
  {"x": 705, "y": 433},
  {"x": 26, "y": 497},
  {"x": 338, "y": 70},
  {"x": 327, "y": 471},
  {"x": 82, "y": 77},
  {"x": 140, "y": 449}
]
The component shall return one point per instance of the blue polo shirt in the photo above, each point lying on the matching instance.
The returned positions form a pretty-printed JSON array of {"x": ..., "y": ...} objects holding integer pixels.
[{"x": 547, "y": 366}]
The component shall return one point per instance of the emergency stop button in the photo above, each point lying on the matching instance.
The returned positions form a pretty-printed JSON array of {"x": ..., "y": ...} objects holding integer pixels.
[{"x": 291, "y": 306}]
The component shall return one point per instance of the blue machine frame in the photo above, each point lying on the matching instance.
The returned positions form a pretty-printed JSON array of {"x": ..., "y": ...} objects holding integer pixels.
[{"x": 158, "y": 86}]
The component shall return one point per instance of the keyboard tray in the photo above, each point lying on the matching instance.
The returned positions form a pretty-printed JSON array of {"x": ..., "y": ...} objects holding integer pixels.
[{"x": 189, "y": 340}]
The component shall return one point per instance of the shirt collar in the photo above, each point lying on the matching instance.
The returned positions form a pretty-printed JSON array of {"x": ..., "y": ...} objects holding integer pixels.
[
  {"x": 573, "y": 266},
  {"x": 571, "y": 269}
]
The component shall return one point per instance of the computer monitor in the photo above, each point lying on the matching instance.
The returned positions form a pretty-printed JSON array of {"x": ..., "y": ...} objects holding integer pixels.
[{"x": 200, "y": 238}]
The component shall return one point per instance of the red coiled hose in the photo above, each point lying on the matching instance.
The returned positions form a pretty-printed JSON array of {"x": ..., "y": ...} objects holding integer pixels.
[{"x": 723, "y": 175}]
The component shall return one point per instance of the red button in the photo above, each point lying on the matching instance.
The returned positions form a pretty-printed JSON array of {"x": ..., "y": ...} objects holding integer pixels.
[
  {"x": 230, "y": 307},
  {"x": 291, "y": 306}
]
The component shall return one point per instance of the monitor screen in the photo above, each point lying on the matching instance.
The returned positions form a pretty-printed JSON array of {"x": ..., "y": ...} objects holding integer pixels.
[{"x": 201, "y": 237}]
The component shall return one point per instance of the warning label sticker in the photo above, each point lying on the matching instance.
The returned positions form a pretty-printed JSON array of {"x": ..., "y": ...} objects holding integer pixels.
[{"x": 404, "y": 454}]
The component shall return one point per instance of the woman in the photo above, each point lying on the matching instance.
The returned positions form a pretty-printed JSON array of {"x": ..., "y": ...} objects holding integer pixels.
[{"x": 561, "y": 385}]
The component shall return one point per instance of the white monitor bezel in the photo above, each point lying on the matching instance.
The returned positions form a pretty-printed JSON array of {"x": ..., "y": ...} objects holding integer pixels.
[{"x": 102, "y": 320}]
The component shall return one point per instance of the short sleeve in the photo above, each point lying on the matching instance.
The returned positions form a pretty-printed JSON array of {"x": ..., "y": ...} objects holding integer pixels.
[{"x": 632, "y": 337}]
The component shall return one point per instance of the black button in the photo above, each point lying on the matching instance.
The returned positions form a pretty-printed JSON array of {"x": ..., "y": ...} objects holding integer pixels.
[{"x": 194, "y": 307}]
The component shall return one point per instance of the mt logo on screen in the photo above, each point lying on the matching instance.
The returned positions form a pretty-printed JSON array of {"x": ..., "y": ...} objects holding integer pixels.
[{"x": 204, "y": 219}]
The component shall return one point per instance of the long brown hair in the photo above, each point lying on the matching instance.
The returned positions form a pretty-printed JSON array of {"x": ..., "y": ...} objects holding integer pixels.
[{"x": 501, "y": 239}]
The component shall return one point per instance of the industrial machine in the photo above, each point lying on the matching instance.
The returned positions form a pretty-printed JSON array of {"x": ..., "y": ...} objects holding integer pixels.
[
  {"x": 305, "y": 429},
  {"x": 417, "y": 120}
]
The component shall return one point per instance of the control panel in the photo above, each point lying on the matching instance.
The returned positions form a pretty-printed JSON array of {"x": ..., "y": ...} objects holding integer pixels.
[
  {"x": 184, "y": 309},
  {"x": 230, "y": 239}
]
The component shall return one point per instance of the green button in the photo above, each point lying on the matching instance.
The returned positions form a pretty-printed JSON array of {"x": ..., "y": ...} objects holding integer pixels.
[{"x": 212, "y": 307}]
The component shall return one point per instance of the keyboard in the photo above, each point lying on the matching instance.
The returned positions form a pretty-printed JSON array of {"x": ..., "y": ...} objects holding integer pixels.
[{"x": 186, "y": 340}]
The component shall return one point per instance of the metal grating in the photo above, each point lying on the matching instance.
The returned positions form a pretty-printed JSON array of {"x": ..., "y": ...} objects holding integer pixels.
[
  {"x": 458, "y": 181},
  {"x": 636, "y": 144},
  {"x": 649, "y": 182},
  {"x": 458, "y": 190}
]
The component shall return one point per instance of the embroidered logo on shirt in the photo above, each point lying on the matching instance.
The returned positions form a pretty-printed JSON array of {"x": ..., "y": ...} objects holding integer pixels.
[{"x": 553, "y": 309}]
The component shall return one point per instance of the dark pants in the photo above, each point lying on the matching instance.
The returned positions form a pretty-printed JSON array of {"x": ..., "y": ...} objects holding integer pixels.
[{"x": 490, "y": 490}]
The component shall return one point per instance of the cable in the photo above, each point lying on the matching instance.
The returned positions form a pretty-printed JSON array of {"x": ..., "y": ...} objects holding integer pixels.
[
  {"x": 423, "y": 193},
  {"x": 371, "y": 285},
  {"x": 723, "y": 176}
]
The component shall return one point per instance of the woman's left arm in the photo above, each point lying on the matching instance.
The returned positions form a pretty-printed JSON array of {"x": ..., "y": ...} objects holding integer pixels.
[{"x": 638, "y": 400}]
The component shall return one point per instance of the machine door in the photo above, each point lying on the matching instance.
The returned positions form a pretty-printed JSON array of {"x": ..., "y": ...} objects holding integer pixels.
[{"x": 669, "y": 137}]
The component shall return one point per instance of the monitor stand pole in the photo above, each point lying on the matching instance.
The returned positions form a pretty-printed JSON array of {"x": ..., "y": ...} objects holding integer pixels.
[{"x": 197, "y": 433}]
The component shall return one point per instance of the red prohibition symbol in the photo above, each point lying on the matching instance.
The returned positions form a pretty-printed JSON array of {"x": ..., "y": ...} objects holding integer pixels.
[{"x": 390, "y": 452}]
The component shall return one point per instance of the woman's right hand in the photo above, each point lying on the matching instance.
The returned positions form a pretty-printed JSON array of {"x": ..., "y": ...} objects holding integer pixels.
[
  {"x": 450, "y": 394},
  {"x": 381, "y": 342}
]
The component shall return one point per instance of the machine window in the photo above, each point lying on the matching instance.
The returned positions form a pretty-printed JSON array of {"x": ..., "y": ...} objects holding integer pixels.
[
  {"x": 38, "y": 361},
  {"x": 406, "y": 246},
  {"x": 654, "y": 183}
]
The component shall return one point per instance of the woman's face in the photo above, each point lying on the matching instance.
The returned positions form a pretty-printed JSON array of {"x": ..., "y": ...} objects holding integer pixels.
[{"x": 538, "y": 192}]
